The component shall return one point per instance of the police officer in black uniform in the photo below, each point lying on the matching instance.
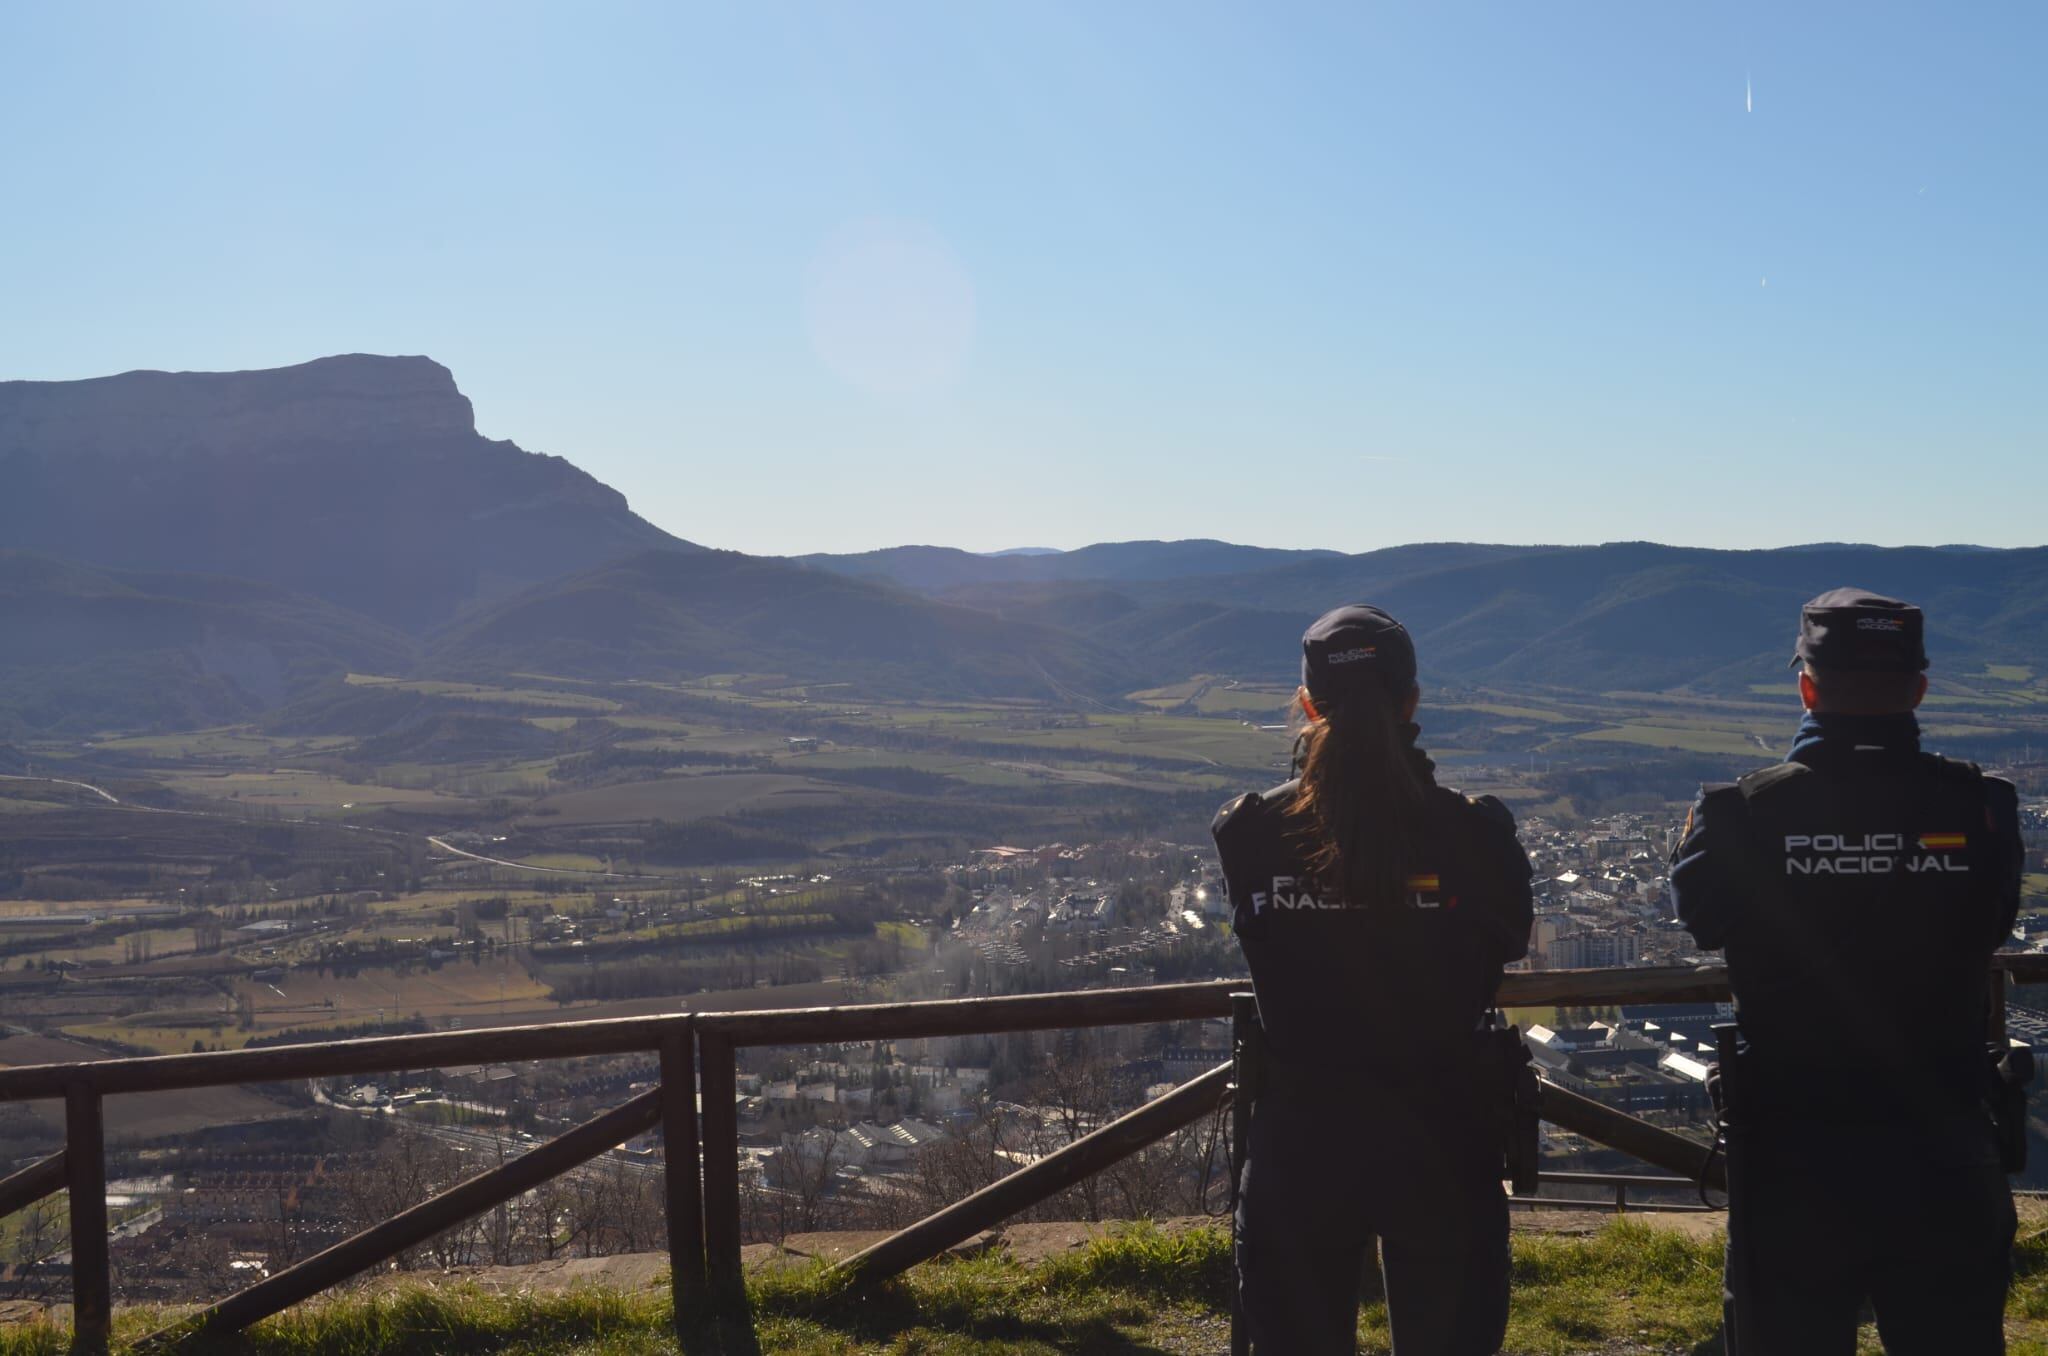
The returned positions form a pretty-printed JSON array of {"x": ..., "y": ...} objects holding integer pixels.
[
  {"x": 1376, "y": 910},
  {"x": 1859, "y": 889}
]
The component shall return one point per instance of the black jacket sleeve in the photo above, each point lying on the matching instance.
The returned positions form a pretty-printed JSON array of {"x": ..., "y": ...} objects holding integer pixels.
[
  {"x": 1236, "y": 830},
  {"x": 1706, "y": 877},
  {"x": 1506, "y": 862},
  {"x": 2002, "y": 809}
]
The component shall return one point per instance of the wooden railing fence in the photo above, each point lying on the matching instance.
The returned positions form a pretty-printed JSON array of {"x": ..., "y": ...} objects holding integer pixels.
[{"x": 698, "y": 1054}]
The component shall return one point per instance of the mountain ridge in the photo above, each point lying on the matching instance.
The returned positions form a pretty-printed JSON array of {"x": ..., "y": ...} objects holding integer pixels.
[{"x": 357, "y": 479}]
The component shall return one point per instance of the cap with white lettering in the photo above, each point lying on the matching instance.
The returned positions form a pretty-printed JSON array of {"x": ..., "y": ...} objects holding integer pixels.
[
  {"x": 1857, "y": 629},
  {"x": 1356, "y": 649}
]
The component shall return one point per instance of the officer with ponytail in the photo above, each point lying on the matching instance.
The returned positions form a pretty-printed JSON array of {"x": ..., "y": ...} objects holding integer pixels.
[{"x": 1376, "y": 910}]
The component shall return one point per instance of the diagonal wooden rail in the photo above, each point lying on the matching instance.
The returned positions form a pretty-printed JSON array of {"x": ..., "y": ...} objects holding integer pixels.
[
  {"x": 409, "y": 1228},
  {"x": 1026, "y": 1187},
  {"x": 1661, "y": 1148},
  {"x": 41, "y": 1178}
]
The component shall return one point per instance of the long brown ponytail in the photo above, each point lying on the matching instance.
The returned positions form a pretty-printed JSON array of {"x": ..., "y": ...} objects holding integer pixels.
[{"x": 1359, "y": 811}]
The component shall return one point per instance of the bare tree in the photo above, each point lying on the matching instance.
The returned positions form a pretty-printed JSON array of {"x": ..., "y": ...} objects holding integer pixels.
[
  {"x": 1076, "y": 1085},
  {"x": 610, "y": 1206},
  {"x": 545, "y": 1217},
  {"x": 42, "y": 1233},
  {"x": 284, "y": 1235},
  {"x": 405, "y": 1170},
  {"x": 800, "y": 1178}
]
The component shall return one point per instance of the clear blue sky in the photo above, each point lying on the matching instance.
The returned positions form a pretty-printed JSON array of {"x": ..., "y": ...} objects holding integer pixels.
[{"x": 834, "y": 276}]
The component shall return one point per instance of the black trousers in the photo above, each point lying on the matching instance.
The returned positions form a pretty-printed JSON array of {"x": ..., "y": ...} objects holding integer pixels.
[
  {"x": 1917, "y": 1221},
  {"x": 1324, "y": 1178}
]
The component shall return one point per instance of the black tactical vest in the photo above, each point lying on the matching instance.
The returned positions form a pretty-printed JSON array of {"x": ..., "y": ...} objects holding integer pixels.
[
  {"x": 1396, "y": 991},
  {"x": 1860, "y": 948}
]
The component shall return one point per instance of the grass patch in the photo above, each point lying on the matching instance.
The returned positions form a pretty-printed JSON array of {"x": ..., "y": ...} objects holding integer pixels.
[
  {"x": 1137, "y": 1288},
  {"x": 907, "y": 935},
  {"x": 1626, "y": 1290},
  {"x": 1629, "y": 1282}
]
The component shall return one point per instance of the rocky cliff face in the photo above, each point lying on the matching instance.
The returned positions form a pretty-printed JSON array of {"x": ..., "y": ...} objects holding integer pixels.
[
  {"x": 353, "y": 398},
  {"x": 358, "y": 479}
]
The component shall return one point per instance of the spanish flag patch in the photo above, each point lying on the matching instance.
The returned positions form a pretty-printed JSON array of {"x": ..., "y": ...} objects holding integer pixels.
[
  {"x": 1944, "y": 842},
  {"x": 1425, "y": 891}
]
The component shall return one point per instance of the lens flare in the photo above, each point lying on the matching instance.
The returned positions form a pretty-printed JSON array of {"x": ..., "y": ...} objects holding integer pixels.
[{"x": 890, "y": 308}]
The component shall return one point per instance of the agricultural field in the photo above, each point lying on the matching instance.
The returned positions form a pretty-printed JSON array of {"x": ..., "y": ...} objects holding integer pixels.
[
  {"x": 292, "y": 789},
  {"x": 678, "y": 799},
  {"x": 234, "y": 744},
  {"x": 1688, "y": 738},
  {"x": 1538, "y": 714},
  {"x": 458, "y": 989},
  {"x": 159, "y": 943},
  {"x": 536, "y": 698}
]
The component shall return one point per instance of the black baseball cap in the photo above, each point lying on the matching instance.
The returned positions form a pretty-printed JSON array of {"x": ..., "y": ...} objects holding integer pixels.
[
  {"x": 1353, "y": 649},
  {"x": 1857, "y": 629}
]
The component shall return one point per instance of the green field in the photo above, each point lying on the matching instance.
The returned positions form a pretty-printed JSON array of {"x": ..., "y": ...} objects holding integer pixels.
[
  {"x": 1689, "y": 738},
  {"x": 292, "y": 789},
  {"x": 1510, "y": 712},
  {"x": 230, "y": 744},
  {"x": 543, "y": 698},
  {"x": 565, "y": 861},
  {"x": 679, "y": 799}
]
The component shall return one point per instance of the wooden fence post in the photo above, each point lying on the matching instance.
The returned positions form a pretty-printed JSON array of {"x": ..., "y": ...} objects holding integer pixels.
[
  {"x": 720, "y": 1127},
  {"x": 682, "y": 1178},
  {"x": 85, "y": 1174}
]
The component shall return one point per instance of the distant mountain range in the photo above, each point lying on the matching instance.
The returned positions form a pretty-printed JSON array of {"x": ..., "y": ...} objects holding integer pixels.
[
  {"x": 185, "y": 548},
  {"x": 933, "y": 568}
]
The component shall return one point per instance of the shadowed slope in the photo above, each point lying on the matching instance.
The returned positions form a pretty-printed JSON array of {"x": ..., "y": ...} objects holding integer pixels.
[{"x": 668, "y": 615}]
